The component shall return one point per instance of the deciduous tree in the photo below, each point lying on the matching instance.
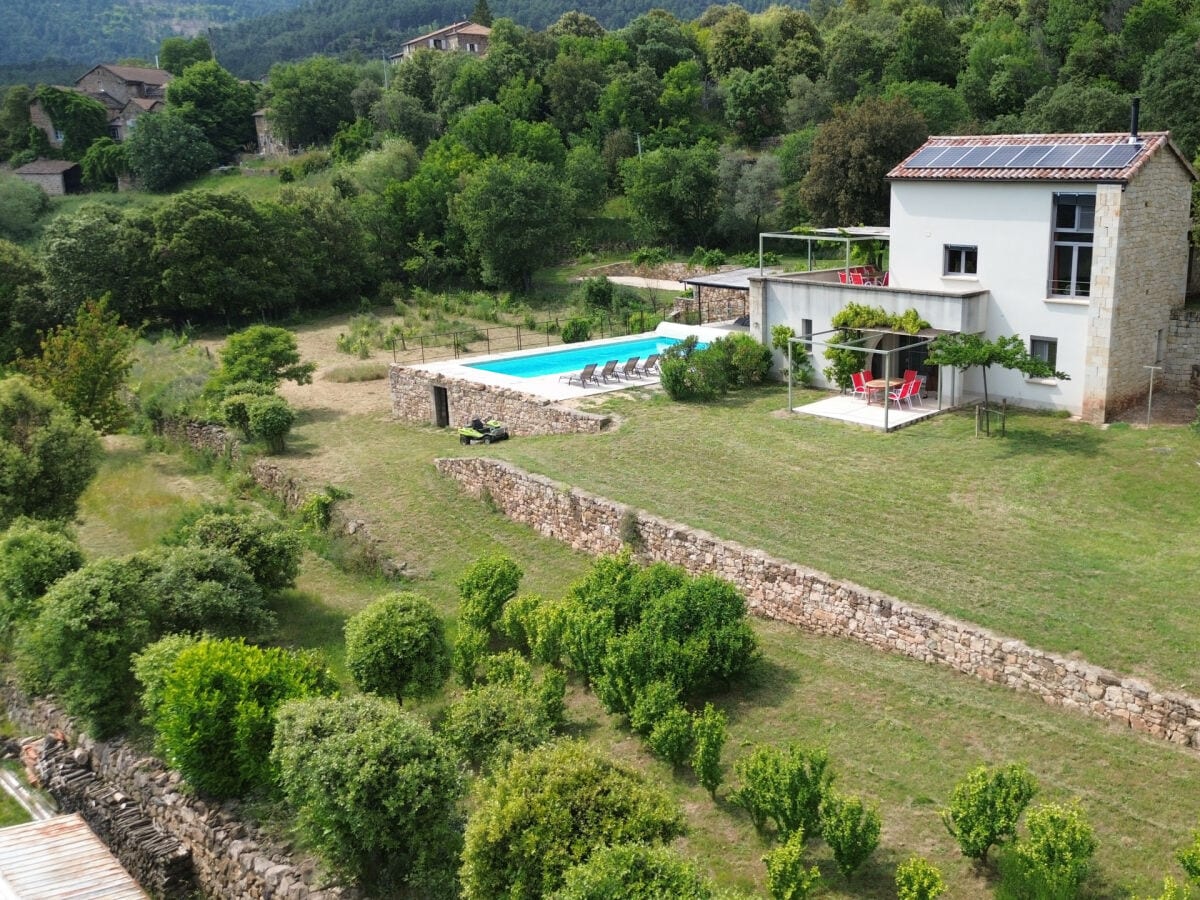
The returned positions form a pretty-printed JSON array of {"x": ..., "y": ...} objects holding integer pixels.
[
  {"x": 310, "y": 100},
  {"x": 207, "y": 96},
  {"x": 166, "y": 150}
]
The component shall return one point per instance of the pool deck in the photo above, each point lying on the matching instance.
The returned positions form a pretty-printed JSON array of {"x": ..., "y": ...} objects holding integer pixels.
[{"x": 555, "y": 387}]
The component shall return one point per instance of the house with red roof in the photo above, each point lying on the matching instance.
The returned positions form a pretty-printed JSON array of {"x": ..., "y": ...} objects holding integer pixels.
[{"x": 1076, "y": 242}]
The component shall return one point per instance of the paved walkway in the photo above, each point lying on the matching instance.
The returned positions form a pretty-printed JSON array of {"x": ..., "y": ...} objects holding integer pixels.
[{"x": 660, "y": 284}]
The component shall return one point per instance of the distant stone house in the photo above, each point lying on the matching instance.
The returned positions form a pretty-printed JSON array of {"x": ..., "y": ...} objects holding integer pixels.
[
  {"x": 54, "y": 176},
  {"x": 126, "y": 92},
  {"x": 463, "y": 36}
]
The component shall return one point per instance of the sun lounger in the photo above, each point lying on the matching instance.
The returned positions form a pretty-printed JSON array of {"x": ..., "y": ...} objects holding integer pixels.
[
  {"x": 630, "y": 369},
  {"x": 610, "y": 371},
  {"x": 583, "y": 377},
  {"x": 649, "y": 367}
]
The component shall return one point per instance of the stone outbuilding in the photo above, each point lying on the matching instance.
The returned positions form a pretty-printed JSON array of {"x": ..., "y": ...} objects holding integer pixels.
[{"x": 54, "y": 176}]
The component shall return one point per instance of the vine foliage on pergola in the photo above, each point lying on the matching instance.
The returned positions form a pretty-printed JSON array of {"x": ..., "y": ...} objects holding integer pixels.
[{"x": 851, "y": 320}]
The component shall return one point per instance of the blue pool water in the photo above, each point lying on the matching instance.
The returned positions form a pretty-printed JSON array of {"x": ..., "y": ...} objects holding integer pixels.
[{"x": 558, "y": 362}]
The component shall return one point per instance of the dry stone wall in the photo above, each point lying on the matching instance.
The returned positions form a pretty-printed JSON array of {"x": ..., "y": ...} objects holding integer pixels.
[
  {"x": 229, "y": 858},
  {"x": 777, "y": 589},
  {"x": 524, "y": 414},
  {"x": 1181, "y": 369}
]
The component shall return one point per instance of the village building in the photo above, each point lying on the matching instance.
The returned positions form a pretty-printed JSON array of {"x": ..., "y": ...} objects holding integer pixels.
[
  {"x": 54, "y": 176},
  {"x": 126, "y": 92},
  {"x": 464, "y": 36}
]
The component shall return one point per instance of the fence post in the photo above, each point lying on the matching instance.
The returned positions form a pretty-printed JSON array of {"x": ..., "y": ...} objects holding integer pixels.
[
  {"x": 1004, "y": 417},
  {"x": 518, "y": 337}
]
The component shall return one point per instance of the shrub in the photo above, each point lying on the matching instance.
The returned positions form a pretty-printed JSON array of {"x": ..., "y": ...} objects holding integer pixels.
[
  {"x": 1054, "y": 861},
  {"x": 470, "y": 646},
  {"x": 150, "y": 668},
  {"x": 1189, "y": 858},
  {"x": 649, "y": 257},
  {"x": 375, "y": 792},
  {"x": 653, "y": 702},
  {"x": 47, "y": 457},
  {"x": 787, "y": 878},
  {"x": 484, "y": 588},
  {"x": 550, "y": 809},
  {"x": 263, "y": 354},
  {"x": 708, "y": 259},
  {"x": 598, "y": 293},
  {"x": 784, "y": 786},
  {"x": 1171, "y": 890},
  {"x": 802, "y": 368},
  {"x": 215, "y": 717},
  {"x": 397, "y": 647},
  {"x": 671, "y": 737},
  {"x": 33, "y": 555},
  {"x": 634, "y": 872},
  {"x": 985, "y": 807},
  {"x": 576, "y": 330},
  {"x": 79, "y": 647},
  {"x": 850, "y": 829},
  {"x": 206, "y": 589},
  {"x": 917, "y": 879},
  {"x": 701, "y": 376},
  {"x": 270, "y": 551},
  {"x": 271, "y": 418},
  {"x": 490, "y": 722},
  {"x": 709, "y": 731}
]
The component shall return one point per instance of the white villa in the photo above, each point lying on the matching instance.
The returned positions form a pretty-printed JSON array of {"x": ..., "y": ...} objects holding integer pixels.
[{"x": 1076, "y": 242}]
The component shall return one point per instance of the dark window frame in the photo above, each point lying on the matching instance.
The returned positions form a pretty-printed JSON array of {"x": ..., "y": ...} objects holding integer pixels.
[{"x": 960, "y": 260}]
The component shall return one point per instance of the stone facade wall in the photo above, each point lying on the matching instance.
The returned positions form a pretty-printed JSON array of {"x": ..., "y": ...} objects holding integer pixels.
[
  {"x": 524, "y": 414},
  {"x": 230, "y": 860},
  {"x": 1149, "y": 276},
  {"x": 777, "y": 589},
  {"x": 716, "y": 304},
  {"x": 1181, "y": 370}
]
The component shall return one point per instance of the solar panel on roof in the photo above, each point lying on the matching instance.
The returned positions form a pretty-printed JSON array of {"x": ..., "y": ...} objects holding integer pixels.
[
  {"x": 950, "y": 159},
  {"x": 1089, "y": 155},
  {"x": 1119, "y": 156},
  {"x": 975, "y": 156},
  {"x": 1002, "y": 156},
  {"x": 1027, "y": 157},
  {"x": 925, "y": 158},
  {"x": 1059, "y": 157}
]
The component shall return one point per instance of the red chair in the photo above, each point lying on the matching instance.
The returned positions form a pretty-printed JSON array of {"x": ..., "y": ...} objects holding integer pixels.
[
  {"x": 856, "y": 278},
  {"x": 910, "y": 374},
  {"x": 884, "y": 282},
  {"x": 905, "y": 393},
  {"x": 859, "y": 380},
  {"x": 842, "y": 276}
]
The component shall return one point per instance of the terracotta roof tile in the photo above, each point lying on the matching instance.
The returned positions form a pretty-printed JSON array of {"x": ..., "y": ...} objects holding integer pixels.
[{"x": 1151, "y": 142}]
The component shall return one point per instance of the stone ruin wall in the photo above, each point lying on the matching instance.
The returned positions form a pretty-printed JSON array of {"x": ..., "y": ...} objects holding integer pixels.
[
  {"x": 524, "y": 414},
  {"x": 776, "y": 589},
  {"x": 1181, "y": 368},
  {"x": 172, "y": 842}
]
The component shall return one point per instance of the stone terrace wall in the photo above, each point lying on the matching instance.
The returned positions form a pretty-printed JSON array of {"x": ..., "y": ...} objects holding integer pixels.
[
  {"x": 524, "y": 414},
  {"x": 230, "y": 860},
  {"x": 776, "y": 589}
]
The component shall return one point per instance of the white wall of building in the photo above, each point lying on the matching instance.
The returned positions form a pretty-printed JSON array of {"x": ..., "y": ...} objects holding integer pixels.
[{"x": 1010, "y": 224}]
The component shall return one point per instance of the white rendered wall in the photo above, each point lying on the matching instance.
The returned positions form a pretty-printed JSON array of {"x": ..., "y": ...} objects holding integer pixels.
[{"x": 1011, "y": 226}]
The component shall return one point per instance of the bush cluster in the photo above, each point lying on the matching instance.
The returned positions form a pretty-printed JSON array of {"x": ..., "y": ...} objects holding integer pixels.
[
  {"x": 693, "y": 373},
  {"x": 396, "y": 647}
]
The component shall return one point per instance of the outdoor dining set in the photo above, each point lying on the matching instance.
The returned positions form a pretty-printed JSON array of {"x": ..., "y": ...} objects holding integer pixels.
[
  {"x": 865, "y": 276},
  {"x": 613, "y": 369},
  {"x": 897, "y": 390}
]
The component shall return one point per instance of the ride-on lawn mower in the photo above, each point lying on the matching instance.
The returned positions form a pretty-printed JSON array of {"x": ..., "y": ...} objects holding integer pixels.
[{"x": 481, "y": 432}]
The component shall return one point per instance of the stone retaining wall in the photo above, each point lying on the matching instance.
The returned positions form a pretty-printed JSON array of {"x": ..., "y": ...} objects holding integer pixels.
[
  {"x": 524, "y": 414},
  {"x": 204, "y": 437},
  {"x": 776, "y": 589},
  {"x": 1181, "y": 368},
  {"x": 229, "y": 858}
]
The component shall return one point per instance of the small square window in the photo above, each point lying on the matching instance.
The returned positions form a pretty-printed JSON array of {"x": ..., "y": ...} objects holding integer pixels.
[
  {"x": 960, "y": 260},
  {"x": 1045, "y": 349}
]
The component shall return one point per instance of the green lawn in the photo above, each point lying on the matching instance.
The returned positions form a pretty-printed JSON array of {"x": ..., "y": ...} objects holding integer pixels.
[{"x": 900, "y": 733}]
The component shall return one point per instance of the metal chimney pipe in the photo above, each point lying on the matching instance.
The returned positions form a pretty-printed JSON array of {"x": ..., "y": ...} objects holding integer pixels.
[{"x": 1134, "y": 112}]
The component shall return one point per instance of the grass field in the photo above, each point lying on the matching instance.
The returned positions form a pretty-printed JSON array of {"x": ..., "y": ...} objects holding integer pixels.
[{"x": 899, "y": 732}]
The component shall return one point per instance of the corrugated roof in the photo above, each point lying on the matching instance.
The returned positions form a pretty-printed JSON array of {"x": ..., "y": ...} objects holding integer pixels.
[
  {"x": 1148, "y": 143},
  {"x": 46, "y": 167},
  {"x": 61, "y": 859}
]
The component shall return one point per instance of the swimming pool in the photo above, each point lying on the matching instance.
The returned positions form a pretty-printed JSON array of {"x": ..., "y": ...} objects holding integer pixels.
[{"x": 558, "y": 362}]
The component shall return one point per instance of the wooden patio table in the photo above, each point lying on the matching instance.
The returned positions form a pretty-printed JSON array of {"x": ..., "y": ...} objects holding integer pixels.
[{"x": 882, "y": 385}]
